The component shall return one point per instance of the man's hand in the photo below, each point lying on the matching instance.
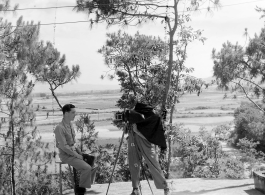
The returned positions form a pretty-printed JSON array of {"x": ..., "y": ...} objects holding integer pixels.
[
  {"x": 78, "y": 150},
  {"x": 79, "y": 156}
]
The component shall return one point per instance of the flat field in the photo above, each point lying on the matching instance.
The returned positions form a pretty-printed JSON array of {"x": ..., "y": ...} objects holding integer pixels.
[{"x": 208, "y": 110}]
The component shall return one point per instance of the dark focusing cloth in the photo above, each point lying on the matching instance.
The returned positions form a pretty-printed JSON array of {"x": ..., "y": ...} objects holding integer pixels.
[{"x": 151, "y": 126}]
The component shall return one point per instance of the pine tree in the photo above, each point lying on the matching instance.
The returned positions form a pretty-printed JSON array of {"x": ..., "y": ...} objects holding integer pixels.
[{"x": 21, "y": 143}]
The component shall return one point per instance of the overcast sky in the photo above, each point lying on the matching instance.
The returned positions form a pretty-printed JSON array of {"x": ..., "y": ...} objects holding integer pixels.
[{"x": 80, "y": 44}]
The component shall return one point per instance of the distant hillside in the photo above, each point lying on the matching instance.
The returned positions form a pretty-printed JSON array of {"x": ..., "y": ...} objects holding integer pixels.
[{"x": 74, "y": 87}]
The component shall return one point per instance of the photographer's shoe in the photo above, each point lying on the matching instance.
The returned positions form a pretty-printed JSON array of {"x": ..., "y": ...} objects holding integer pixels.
[
  {"x": 167, "y": 191},
  {"x": 135, "y": 191}
]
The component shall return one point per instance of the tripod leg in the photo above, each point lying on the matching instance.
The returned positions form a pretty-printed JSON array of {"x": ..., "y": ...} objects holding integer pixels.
[
  {"x": 140, "y": 188},
  {"x": 115, "y": 162}
]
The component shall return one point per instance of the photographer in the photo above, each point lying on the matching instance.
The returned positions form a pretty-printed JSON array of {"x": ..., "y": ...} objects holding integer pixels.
[
  {"x": 145, "y": 131},
  {"x": 69, "y": 152}
]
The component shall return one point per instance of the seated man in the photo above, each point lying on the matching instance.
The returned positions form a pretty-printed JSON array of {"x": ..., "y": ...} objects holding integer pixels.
[
  {"x": 144, "y": 133},
  {"x": 69, "y": 152}
]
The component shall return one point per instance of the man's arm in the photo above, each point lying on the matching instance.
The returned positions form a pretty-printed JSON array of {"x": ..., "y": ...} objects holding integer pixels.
[{"x": 60, "y": 139}]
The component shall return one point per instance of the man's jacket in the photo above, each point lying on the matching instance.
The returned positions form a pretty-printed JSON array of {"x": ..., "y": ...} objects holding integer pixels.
[{"x": 150, "y": 126}]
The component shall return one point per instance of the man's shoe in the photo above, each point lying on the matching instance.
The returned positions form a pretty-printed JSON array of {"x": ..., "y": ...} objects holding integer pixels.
[
  {"x": 135, "y": 191},
  {"x": 167, "y": 191},
  {"x": 80, "y": 190}
]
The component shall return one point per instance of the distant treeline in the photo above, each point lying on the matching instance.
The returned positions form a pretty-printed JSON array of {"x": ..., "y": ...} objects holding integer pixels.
[{"x": 113, "y": 91}]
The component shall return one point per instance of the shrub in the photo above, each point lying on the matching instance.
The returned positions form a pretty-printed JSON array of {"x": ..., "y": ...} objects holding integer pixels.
[
  {"x": 249, "y": 124},
  {"x": 231, "y": 167},
  {"x": 202, "y": 155}
]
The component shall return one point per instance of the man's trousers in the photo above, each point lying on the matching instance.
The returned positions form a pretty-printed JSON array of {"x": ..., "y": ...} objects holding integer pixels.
[
  {"x": 86, "y": 175},
  {"x": 139, "y": 147}
]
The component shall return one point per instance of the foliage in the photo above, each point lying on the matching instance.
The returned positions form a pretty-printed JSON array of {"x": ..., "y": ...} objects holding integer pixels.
[
  {"x": 39, "y": 182},
  {"x": 222, "y": 132},
  {"x": 24, "y": 157},
  {"x": 88, "y": 134},
  {"x": 248, "y": 149},
  {"x": 138, "y": 62},
  {"x": 249, "y": 124},
  {"x": 47, "y": 65},
  {"x": 202, "y": 156},
  {"x": 243, "y": 68}
]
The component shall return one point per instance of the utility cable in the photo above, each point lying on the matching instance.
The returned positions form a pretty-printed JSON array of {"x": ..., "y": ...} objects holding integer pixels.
[
  {"x": 71, "y": 6},
  {"x": 86, "y": 21}
]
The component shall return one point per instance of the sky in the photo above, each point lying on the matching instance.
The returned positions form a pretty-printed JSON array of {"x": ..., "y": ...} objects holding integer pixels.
[{"x": 80, "y": 43}]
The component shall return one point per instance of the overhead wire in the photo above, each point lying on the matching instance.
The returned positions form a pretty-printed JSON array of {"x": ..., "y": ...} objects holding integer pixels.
[
  {"x": 73, "y": 6},
  {"x": 86, "y": 21}
]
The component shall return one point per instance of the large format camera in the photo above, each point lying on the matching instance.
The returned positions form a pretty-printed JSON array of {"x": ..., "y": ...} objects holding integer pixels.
[
  {"x": 133, "y": 116},
  {"x": 122, "y": 116},
  {"x": 130, "y": 116}
]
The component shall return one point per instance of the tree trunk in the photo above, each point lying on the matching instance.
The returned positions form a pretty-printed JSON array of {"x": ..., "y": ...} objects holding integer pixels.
[
  {"x": 169, "y": 70},
  {"x": 170, "y": 123},
  {"x": 169, "y": 158},
  {"x": 13, "y": 182},
  {"x": 131, "y": 81},
  {"x": 172, "y": 32},
  {"x": 55, "y": 97},
  {"x": 169, "y": 141}
]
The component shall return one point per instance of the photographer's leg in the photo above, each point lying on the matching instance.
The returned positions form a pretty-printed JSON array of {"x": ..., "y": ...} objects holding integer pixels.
[
  {"x": 134, "y": 163},
  {"x": 151, "y": 159}
]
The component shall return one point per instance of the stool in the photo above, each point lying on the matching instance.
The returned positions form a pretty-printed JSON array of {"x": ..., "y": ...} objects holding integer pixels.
[{"x": 60, "y": 175}]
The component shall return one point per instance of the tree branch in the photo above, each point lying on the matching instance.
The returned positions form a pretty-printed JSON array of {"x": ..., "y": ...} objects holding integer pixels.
[
  {"x": 249, "y": 97},
  {"x": 250, "y": 82}
]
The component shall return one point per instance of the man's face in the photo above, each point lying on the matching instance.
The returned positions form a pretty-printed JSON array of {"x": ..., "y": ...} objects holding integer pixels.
[{"x": 71, "y": 114}]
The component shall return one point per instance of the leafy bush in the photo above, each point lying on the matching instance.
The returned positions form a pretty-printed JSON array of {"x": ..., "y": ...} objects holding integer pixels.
[
  {"x": 202, "y": 155},
  {"x": 32, "y": 181},
  {"x": 249, "y": 124},
  {"x": 231, "y": 167}
]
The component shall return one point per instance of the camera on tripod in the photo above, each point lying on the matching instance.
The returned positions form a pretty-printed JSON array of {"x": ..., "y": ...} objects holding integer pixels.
[{"x": 122, "y": 116}]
